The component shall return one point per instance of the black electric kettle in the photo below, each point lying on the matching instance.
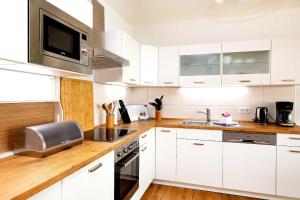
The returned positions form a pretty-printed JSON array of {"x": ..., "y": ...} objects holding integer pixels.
[{"x": 261, "y": 115}]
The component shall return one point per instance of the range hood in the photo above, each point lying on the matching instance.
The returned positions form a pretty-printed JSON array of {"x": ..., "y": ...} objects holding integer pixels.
[{"x": 101, "y": 57}]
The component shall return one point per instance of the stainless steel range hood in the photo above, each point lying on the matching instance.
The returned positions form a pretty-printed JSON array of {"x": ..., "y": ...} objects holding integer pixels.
[{"x": 102, "y": 58}]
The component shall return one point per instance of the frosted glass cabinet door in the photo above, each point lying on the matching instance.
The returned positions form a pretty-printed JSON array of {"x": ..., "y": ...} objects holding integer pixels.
[
  {"x": 255, "y": 62},
  {"x": 200, "y": 65}
]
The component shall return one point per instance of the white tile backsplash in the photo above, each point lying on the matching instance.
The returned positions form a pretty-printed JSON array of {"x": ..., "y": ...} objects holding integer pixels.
[{"x": 186, "y": 102}]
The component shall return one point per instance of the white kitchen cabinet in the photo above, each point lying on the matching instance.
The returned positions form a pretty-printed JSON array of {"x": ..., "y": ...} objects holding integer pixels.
[
  {"x": 200, "y": 65},
  {"x": 51, "y": 193},
  {"x": 285, "y": 61},
  {"x": 149, "y": 65},
  {"x": 199, "y": 162},
  {"x": 14, "y": 30},
  {"x": 246, "y": 79},
  {"x": 288, "y": 174},
  {"x": 82, "y": 10},
  {"x": 122, "y": 44},
  {"x": 246, "y": 46},
  {"x": 166, "y": 154},
  {"x": 168, "y": 66},
  {"x": 249, "y": 167},
  {"x": 131, "y": 52},
  {"x": 94, "y": 181},
  {"x": 147, "y": 162}
]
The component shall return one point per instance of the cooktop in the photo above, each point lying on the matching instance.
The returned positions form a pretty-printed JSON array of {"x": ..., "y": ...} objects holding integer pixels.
[{"x": 106, "y": 135}]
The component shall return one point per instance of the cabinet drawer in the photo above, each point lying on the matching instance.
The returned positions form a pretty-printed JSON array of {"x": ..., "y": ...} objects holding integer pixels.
[
  {"x": 292, "y": 140},
  {"x": 198, "y": 134},
  {"x": 246, "y": 79},
  {"x": 144, "y": 138},
  {"x": 198, "y": 81}
]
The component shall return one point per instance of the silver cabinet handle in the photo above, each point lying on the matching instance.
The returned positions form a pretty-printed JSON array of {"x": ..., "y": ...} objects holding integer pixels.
[
  {"x": 294, "y": 138},
  {"x": 148, "y": 82},
  {"x": 168, "y": 83},
  {"x": 144, "y": 136},
  {"x": 165, "y": 131},
  {"x": 294, "y": 151},
  {"x": 198, "y": 144},
  {"x": 144, "y": 149},
  {"x": 288, "y": 80},
  {"x": 132, "y": 79},
  {"x": 245, "y": 81},
  {"x": 199, "y": 82},
  {"x": 93, "y": 169}
]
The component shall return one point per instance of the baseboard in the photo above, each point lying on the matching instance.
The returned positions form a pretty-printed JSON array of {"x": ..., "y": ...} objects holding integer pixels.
[{"x": 222, "y": 190}]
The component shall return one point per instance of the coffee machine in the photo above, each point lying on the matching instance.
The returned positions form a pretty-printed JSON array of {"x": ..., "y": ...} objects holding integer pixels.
[{"x": 284, "y": 111}]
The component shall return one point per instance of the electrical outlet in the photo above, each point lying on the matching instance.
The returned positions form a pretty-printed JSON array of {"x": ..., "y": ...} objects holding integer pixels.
[{"x": 245, "y": 110}]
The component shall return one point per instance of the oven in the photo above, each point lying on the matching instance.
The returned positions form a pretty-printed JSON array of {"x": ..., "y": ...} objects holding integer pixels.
[
  {"x": 127, "y": 170},
  {"x": 56, "y": 39}
]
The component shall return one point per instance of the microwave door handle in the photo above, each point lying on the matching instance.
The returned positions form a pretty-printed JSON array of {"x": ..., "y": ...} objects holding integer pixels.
[{"x": 129, "y": 161}]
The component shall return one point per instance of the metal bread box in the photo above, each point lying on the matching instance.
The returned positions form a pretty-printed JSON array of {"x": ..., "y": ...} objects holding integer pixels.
[{"x": 46, "y": 139}]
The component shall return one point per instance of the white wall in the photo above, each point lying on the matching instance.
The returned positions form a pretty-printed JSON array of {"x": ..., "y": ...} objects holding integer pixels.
[
  {"x": 271, "y": 24},
  {"x": 185, "y": 102}
]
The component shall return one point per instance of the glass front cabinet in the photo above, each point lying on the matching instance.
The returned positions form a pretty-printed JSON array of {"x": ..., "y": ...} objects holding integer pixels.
[
  {"x": 200, "y": 65},
  {"x": 246, "y": 63}
]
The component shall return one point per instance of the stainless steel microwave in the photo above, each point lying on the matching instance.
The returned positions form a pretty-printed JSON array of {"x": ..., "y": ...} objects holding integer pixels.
[{"x": 58, "y": 40}]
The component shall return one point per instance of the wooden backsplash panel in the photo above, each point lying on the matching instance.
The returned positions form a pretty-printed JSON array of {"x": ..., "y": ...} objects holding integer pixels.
[
  {"x": 14, "y": 117},
  {"x": 77, "y": 101}
]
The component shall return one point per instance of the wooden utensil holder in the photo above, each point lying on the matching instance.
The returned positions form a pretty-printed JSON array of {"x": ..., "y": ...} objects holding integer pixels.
[
  {"x": 110, "y": 121},
  {"x": 158, "y": 115}
]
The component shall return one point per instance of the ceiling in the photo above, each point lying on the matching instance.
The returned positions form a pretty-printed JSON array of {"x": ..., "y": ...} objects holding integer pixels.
[{"x": 144, "y": 12}]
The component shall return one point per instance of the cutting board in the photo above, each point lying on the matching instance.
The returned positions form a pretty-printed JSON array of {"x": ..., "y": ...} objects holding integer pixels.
[{"x": 77, "y": 101}]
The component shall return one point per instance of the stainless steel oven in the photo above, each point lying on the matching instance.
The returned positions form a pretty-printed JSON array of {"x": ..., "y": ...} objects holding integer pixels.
[
  {"x": 127, "y": 170},
  {"x": 56, "y": 39}
]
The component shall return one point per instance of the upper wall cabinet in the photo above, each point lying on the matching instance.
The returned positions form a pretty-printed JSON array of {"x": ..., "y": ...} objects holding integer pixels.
[
  {"x": 79, "y": 9},
  {"x": 200, "y": 65},
  {"x": 285, "y": 62},
  {"x": 14, "y": 30},
  {"x": 149, "y": 65},
  {"x": 246, "y": 62},
  {"x": 122, "y": 44},
  {"x": 168, "y": 65}
]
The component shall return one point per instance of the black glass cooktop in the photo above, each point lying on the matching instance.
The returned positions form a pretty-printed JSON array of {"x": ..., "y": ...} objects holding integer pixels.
[{"x": 106, "y": 135}]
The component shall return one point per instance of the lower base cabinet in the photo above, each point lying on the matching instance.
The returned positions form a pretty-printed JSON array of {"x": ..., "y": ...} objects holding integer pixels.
[
  {"x": 288, "y": 171},
  {"x": 249, "y": 167},
  {"x": 51, "y": 193},
  {"x": 147, "y": 163},
  {"x": 199, "y": 162},
  {"x": 92, "y": 182}
]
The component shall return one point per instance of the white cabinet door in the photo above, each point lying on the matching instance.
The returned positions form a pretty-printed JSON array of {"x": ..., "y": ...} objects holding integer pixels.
[
  {"x": 166, "y": 154},
  {"x": 51, "y": 193},
  {"x": 249, "y": 167},
  {"x": 82, "y": 10},
  {"x": 200, "y": 49},
  {"x": 244, "y": 46},
  {"x": 199, "y": 81},
  {"x": 131, "y": 51},
  {"x": 285, "y": 61},
  {"x": 246, "y": 79},
  {"x": 14, "y": 30},
  {"x": 288, "y": 174},
  {"x": 199, "y": 162},
  {"x": 144, "y": 166},
  {"x": 168, "y": 66},
  {"x": 92, "y": 181},
  {"x": 149, "y": 65}
]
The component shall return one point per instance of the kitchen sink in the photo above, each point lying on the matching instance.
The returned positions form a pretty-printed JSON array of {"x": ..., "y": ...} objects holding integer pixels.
[{"x": 197, "y": 123}]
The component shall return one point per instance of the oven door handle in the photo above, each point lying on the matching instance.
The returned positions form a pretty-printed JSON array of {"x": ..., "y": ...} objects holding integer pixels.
[{"x": 129, "y": 161}]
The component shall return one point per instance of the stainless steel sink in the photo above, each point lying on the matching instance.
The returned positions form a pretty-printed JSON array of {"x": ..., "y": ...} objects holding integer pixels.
[{"x": 197, "y": 123}]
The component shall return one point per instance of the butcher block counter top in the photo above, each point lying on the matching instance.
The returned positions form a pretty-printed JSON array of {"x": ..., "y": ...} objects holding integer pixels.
[{"x": 22, "y": 177}]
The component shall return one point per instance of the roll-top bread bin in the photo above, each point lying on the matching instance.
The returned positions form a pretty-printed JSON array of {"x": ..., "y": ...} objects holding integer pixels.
[{"x": 43, "y": 140}]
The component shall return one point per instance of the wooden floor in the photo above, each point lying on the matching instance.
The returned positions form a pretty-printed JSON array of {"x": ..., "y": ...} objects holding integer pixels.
[{"x": 162, "y": 192}]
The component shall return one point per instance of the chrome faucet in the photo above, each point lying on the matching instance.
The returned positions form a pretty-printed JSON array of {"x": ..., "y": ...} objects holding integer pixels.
[{"x": 207, "y": 113}]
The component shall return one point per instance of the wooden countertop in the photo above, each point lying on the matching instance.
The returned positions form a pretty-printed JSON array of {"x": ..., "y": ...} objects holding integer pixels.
[{"x": 22, "y": 177}]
